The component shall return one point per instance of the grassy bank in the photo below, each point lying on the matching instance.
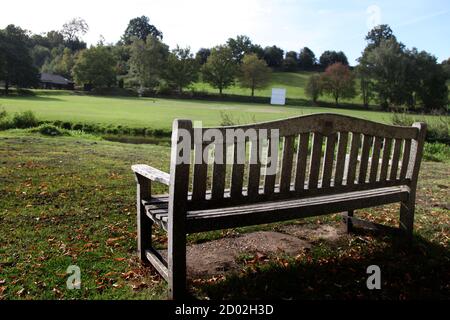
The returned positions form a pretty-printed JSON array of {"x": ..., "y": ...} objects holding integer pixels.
[{"x": 71, "y": 201}]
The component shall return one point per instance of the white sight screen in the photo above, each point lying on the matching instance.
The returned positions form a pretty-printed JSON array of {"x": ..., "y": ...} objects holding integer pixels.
[{"x": 278, "y": 96}]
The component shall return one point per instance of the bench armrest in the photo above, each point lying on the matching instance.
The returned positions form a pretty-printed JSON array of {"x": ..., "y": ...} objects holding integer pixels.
[{"x": 151, "y": 173}]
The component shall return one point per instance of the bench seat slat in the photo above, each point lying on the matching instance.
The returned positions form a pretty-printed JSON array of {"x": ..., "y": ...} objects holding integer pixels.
[{"x": 265, "y": 212}]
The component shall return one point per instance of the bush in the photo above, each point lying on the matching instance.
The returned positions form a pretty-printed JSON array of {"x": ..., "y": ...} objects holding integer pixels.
[
  {"x": 439, "y": 152},
  {"x": 438, "y": 130},
  {"x": 24, "y": 120},
  {"x": 66, "y": 125},
  {"x": 49, "y": 130},
  {"x": 77, "y": 126}
]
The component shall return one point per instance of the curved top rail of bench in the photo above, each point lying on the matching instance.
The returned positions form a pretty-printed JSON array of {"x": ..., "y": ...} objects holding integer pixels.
[{"x": 330, "y": 123}]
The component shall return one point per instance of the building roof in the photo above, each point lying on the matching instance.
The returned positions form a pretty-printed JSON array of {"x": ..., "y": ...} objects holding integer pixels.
[{"x": 54, "y": 79}]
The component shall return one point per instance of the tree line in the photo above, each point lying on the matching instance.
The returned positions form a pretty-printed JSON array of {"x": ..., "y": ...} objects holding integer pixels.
[{"x": 388, "y": 73}]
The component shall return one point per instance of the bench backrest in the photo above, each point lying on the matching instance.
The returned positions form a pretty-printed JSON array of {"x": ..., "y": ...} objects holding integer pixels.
[{"x": 318, "y": 154}]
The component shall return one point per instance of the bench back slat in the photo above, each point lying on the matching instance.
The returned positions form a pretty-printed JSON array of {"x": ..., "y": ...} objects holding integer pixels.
[
  {"x": 329, "y": 153},
  {"x": 219, "y": 170},
  {"x": 270, "y": 177},
  {"x": 353, "y": 161},
  {"x": 237, "y": 173},
  {"x": 387, "y": 148},
  {"x": 200, "y": 174},
  {"x": 395, "y": 159},
  {"x": 341, "y": 157},
  {"x": 316, "y": 155},
  {"x": 302, "y": 155},
  {"x": 375, "y": 162},
  {"x": 328, "y": 160},
  {"x": 286, "y": 166},
  {"x": 254, "y": 172},
  {"x": 364, "y": 162},
  {"x": 405, "y": 158}
]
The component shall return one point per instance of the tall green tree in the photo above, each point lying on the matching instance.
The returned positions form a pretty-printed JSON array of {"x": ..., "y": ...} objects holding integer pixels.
[
  {"x": 365, "y": 82},
  {"x": 307, "y": 59},
  {"x": 182, "y": 68},
  {"x": 339, "y": 82},
  {"x": 290, "y": 62},
  {"x": 274, "y": 56},
  {"x": 148, "y": 60},
  {"x": 202, "y": 55},
  {"x": 378, "y": 34},
  {"x": 254, "y": 73},
  {"x": 430, "y": 87},
  {"x": 331, "y": 57},
  {"x": 72, "y": 31},
  {"x": 16, "y": 63},
  {"x": 388, "y": 66},
  {"x": 95, "y": 67},
  {"x": 220, "y": 69},
  {"x": 314, "y": 87},
  {"x": 140, "y": 28}
]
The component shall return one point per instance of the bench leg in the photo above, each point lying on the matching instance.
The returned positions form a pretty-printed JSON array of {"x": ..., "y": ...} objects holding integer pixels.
[
  {"x": 348, "y": 220},
  {"x": 407, "y": 218},
  {"x": 177, "y": 265},
  {"x": 144, "y": 224}
]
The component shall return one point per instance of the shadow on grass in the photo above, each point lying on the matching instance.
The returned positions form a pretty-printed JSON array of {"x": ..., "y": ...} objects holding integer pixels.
[{"x": 419, "y": 271}]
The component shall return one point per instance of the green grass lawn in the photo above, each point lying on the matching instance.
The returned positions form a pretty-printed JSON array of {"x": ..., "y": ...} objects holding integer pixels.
[
  {"x": 157, "y": 113},
  {"x": 71, "y": 201}
]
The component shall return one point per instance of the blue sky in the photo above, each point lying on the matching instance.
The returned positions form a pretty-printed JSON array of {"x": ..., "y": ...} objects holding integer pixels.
[{"x": 290, "y": 24}]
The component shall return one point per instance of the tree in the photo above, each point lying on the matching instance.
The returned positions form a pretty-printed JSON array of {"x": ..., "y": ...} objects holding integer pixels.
[
  {"x": 140, "y": 28},
  {"x": 148, "y": 60},
  {"x": 273, "y": 56},
  {"x": 40, "y": 55},
  {"x": 331, "y": 57},
  {"x": 314, "y": 87},
  {"x": 16, "y": 63},
  {"x": 202, "y": 55},
  {"x": 61, "y": 64},
  {"x": 338, "y": 81},
  {"x": 181, "y": 69},
  {"x": 307, "y": 59},
  {"x": 446, "y": 66},
  {"x": 365, "y": 81},
  {"x": 220, "y": 69},
  {"x": 96, "y": 67},
  {"x": 290, "y": 63},
  {"x": 72, "y": 31},
  {"x": 429, "y": 82},
  {"x": 378, "y": 34},
  {"x": 254, "y": 73},
  {"x": 387, "y": 66},
  {"x": 239, "y": 47}
]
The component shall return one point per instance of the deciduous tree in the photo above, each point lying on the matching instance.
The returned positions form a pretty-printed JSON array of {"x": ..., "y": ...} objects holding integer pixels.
[
  {"x": 314, "y": 87},
  {"x": 338, "y": 81},
  {"x": 148, "y": 60},
  {"x": 273, "y": 56},
  {"x": 95, "y": 66},
  {"x": 16, "y": 64},
  {"x": 331, "y": 57},
  {"x": 220, "y": 69},
  {"x": 181, "y": 69},
  {"x": 307, "y": 59},
  {"x": 140, "y": 28},
  {"x": 254, "y": 73}
]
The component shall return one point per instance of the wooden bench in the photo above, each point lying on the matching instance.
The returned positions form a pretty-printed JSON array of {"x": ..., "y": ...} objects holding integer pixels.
[{"x": 329, "y": 163}]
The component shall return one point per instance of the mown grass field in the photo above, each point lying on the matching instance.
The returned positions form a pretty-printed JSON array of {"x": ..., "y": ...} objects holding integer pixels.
[
  {"x": 157, "y": 113},
  {"x": 71, "y": 201}
]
